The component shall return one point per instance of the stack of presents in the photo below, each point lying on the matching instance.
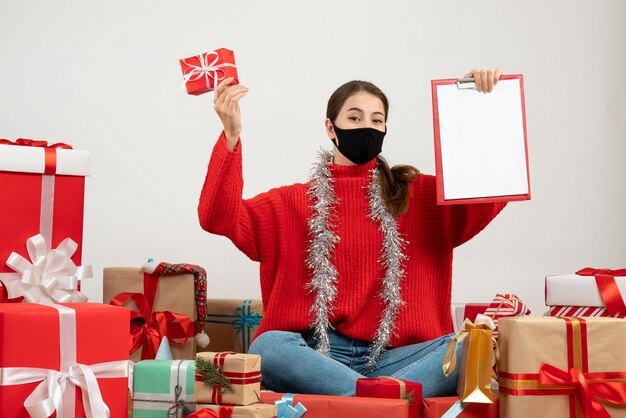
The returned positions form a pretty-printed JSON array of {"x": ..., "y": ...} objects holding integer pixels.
[{"x": 157, "y": 347}]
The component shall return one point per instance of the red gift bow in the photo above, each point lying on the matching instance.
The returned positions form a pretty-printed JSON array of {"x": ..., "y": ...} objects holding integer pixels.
[
  {"x": 50, "y": 151},
  {"x": 605, "y": 280},
  {"x": 156, "y": 326},
  {"x": 590, "y": 391}
]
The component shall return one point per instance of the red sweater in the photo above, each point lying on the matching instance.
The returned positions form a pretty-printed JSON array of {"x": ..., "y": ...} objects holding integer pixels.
[{"x": 271, "y": 228}]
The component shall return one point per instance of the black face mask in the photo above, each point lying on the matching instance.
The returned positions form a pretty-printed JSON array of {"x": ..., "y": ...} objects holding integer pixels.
[{"x": 359, "y": 145}]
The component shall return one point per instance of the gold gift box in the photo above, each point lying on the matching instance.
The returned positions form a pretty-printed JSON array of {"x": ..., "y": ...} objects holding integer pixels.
[
  {"x": 175, "y": 293},
  {"x": 243, "y": 372},
  {"x": 258, "y": 410},
  {"x": 232, "y": 323},
  {"x": 589, "y": 345}
]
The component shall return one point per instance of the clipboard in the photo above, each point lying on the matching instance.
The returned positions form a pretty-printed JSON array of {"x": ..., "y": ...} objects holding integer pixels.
[{"x": 481, "y": 151}]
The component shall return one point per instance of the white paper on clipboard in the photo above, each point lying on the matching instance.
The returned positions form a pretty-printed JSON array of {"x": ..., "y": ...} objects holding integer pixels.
[{"x": 482, "y": 141}]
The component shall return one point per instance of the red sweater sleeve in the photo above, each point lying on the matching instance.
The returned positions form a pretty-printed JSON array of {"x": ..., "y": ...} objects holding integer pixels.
[
  {"x": 223, "y": 211},
  {"x": 450, "y": 225}
]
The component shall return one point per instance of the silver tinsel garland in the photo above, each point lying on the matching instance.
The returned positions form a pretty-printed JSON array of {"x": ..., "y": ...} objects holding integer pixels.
[{"x": 322, "y": 240}]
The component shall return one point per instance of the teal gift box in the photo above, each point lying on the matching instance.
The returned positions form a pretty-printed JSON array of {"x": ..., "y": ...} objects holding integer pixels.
[{"x": 163, "y": 388}]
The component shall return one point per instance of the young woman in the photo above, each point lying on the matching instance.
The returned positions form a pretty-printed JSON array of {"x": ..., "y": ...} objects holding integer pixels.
[{"x": 355, "y": 264}]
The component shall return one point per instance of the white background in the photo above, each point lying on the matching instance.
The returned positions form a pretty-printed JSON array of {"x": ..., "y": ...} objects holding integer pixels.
[{"x": 104, "y": 76}]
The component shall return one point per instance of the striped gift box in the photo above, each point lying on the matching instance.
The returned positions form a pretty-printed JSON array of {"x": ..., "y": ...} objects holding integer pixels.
[
  {"x": 505, "y": 305},
  {"x": 575, "y": 311}
]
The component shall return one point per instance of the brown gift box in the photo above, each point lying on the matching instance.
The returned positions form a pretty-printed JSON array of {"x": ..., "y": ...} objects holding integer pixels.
[
  {"x": 243, "y": 372},
  {"x": 174, "y": 293},
  {"x": 591, "y": 345},
  {"x": 257, "y": 410},
  {"x": 232, "y": 323}
]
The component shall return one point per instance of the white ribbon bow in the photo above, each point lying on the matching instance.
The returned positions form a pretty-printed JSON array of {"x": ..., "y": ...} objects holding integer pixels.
[
  {"x": 50, "y": 276},
  {"x": 206, "y": 69},
  {"x": 48, "y": 395}
]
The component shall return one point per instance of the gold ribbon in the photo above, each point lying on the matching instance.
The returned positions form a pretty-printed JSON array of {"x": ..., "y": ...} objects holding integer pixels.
[{"x": 482, "y": 322}]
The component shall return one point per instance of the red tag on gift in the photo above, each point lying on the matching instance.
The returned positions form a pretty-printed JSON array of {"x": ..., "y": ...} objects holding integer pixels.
[{"x": 202, "y": 73}]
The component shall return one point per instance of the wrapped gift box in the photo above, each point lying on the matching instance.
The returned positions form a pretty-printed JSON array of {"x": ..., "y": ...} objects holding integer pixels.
[
  {"x": 155, "y": 392},
  {"x": 388, "y": 387},
  {"x": 258, "y": 410},
  {"x": 561, "y": 311},
  {"x": 438, "y": 407},
  {"x": 242, "y": 372},
  {"x": 549, "y": 365},
  {"x": 589, "y": 288},
  {"x": 232, "y": 323},
  {"x": 203, "y": 72},
  {"x": 174, "y": 293},
  {"x": 463, "y": 311},
  {"x": 76, "y": 336},
  {"x": 322, "y": 406},
  {"x": 43, "y": 192}
]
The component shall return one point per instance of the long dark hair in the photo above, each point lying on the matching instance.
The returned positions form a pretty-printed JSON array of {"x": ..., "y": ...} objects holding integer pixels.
[{"x": 395, "y": 181}]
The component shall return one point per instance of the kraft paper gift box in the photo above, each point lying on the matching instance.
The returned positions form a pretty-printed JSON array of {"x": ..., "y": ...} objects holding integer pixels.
[
  {"x": 202, "y": 73},
  {"x": 174, "y": 293},
  {"x": 43, "y": 193},
  {"x": 392, "y": 388},
  {"x": 227, "y": 378},
  {"x": 76, "y": 339},
  {"x": 323, "y": 406},
  {"x": 588, "y": 292},
  {"x": 155, "y": 388},
  {"x": 232, "y": 323},
  {"x": 562, "y": 367},
  {"x": 257, "y": 410},
  {"x": 452, "y": 405}
]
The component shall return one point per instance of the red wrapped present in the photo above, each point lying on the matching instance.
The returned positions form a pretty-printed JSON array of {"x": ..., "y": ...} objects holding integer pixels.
[
  {"x": 202, "y": 73},
  {"x": 64, "y": 358},
  {"x": 323, "y": 406},
  {"x": 43, "y": 193},
  {"x": 392, "y": 388},
  {"x": 462, "y": 311},
  {"x": 451, "y": 406}
]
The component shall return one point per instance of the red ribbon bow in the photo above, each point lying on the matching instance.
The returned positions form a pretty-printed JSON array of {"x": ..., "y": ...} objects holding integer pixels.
[
  {"x": 605, "y": 280},
  {"x": 590, "y": 391},
  {"x": 155, "y": 326}
]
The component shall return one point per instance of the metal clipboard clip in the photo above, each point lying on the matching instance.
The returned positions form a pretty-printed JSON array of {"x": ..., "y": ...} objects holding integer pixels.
[{"x": 466, "y": 84}]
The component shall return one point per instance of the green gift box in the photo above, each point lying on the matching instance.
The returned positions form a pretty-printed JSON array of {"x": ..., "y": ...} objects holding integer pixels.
[{"x": 163, "y": 388}]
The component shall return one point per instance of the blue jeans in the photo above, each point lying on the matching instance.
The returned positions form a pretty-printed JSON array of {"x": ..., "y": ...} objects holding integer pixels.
[{"x": 289, "y": 363}]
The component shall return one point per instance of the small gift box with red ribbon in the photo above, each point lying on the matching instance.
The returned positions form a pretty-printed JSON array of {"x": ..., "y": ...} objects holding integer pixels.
[
  {"x": 451, "y": 407},
  {"x": 562, "y": 367},
  {"x": 202, "y": 73},
  {"x": 257, "y": 410},
  {"x": 43, "y": 187},
  {"x": 588, "y": 292},
  {"x": 232, "y": 323},
  {"x": 324, "y": 406},
  {"x": 390, "y": 387},
  {"x": 166, "y": 299},
  {"x": 69, "y": 358},
  {"x": 227, "y": 378}
]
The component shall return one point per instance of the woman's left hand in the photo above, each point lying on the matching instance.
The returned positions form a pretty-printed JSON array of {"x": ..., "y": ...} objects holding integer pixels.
[{"x": 485, "y": 79}]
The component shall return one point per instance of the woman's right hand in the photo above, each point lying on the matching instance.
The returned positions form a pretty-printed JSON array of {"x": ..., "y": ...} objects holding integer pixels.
[{"x": 227, "y": 108}]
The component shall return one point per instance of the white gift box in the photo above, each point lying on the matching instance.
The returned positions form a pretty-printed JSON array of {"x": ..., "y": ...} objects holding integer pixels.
[{"x": 575, "y": 290}]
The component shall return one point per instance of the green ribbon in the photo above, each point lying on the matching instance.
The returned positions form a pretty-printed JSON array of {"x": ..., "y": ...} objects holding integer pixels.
[{"x": 243, "y": 321}]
